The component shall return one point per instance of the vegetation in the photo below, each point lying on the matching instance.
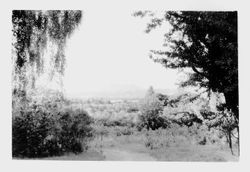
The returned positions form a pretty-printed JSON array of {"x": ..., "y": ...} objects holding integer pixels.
[
  {"x": 151, "y": 108},
  {"x": 163, "y": 143},
  {"x": 42, "y": 130},
  {"x": 205, "y": 42},
  {"x": 32, "y": 32},
  {"x": 160, "y": 121},
  {"x": 112, "y": 125},
  {"x": 46, "y": 124}
]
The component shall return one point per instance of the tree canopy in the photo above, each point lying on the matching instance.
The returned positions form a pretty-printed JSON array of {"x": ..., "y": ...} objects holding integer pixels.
[
  {"x": 207, "y": 43},
  {"x": 32, "y": 30}
]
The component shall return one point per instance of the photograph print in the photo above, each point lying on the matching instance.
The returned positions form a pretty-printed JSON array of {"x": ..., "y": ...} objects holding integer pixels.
[{"x": 114, "y": 85}]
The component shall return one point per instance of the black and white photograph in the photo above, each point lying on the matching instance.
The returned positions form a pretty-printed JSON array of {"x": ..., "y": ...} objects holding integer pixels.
[
  {"x": 167, "y": 92},
  {"x": 124, "y": 86}
]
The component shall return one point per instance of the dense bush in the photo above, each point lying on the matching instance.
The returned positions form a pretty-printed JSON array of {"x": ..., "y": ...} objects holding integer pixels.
[
  {"x": 152, "y": 122},
  {"x": 151, "y": 109},
  {"x": 43, "y": 130}
]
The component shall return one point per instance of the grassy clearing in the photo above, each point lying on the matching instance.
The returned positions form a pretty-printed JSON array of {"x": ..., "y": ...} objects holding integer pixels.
[
  {"x": 194, "y": 153},
  {"x": 179, "y": 150},
  {"x": 132, "y": 148}
]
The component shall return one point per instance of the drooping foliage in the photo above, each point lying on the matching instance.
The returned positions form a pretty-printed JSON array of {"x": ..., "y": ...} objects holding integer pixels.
[{"x": 32, "y": 31}]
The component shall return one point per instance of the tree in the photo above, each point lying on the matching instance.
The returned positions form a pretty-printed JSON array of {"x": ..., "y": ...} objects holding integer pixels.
[
  {"x": 222, "y": 120},
  {"x": 150, "y": 91},
  {"x": 32, "y": 30},
  {"x": 151, "y": 108},
  {"x": 207, "y": 43}
]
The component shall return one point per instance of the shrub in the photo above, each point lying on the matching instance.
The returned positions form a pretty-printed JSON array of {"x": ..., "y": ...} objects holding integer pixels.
[
  {"x": 151, "y": 109},
  {"x": 29, "y": 130},
  {"x": 74, "y": 129},
  {"x": 177, "y": 135},
  {"x": 41, "y": 130}
]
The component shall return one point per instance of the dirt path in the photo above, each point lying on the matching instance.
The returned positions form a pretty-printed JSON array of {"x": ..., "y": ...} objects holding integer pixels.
[
  {"x": 122, "y": 149},
  {"x": 115, "y": 154}
]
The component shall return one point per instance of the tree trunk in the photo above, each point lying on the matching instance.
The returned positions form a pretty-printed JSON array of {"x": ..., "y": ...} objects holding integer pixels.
[
  {"x": 230, "y": 141},
  {"x": 238, "y": 140},
  {"x": 232, "y": 102}
]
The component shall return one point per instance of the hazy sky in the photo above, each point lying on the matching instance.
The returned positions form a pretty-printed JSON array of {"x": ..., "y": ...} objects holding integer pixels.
[{"x": 110, "y": 49}]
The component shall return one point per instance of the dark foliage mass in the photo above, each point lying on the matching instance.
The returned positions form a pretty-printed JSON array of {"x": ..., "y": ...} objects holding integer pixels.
[
  {"x": 207, "y": 42},
  {"x": 42, "y": 132}
]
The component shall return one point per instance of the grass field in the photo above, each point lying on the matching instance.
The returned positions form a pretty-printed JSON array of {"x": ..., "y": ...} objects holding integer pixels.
[
  {"x": 132, "y": 148},
  {"x": 128, "y": 149}
]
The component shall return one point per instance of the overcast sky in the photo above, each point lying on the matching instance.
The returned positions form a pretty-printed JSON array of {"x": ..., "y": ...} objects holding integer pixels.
[{"x": 110, "y": 50}]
